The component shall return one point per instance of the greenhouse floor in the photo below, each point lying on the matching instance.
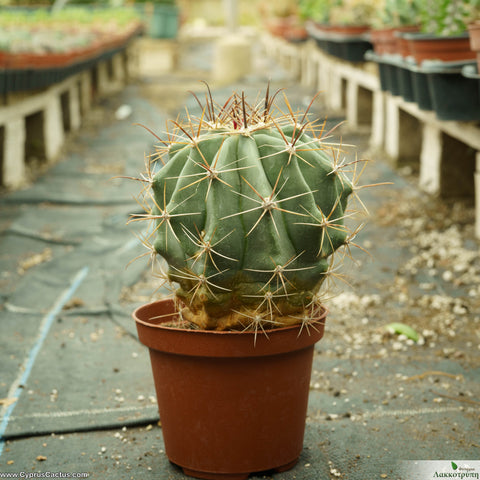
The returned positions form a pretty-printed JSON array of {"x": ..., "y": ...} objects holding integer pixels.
[{"x": 75, "y": 388}]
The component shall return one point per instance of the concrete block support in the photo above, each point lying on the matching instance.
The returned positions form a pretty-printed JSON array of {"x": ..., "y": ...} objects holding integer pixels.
[
  {"x": 352, "y": 105},
  {"x": 118, "y": 69},
  {"x": 54, "y": 134},
  {"x": 322, "y": 77},
  {"x": 13, "y": 165},
  {"x": 392, "y": 128},
  {"x": 447, "y": 165},
  {"x": 431, "y": 159},
  {"x": 377, "y": 136},
  {"x": 102, "y": 80},
  {"x": 132, "y": 60},
  {"x": 74, "y": 111},
  {"x": 403, "y": 134},
  {"x": 293, "y": 60},
  {"x": 358, "y": 105},
  {"x": 309, "y": 66},
  {"x": 85, "y": 91},
  {"x": 110, "y": 75},
  {"x": 334, "y": 89},
  {"x": 457, "y": 168}
]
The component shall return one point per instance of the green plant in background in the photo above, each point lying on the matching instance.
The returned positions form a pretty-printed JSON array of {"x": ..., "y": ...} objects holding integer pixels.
[
  {"x": 279, "y": 8},
  {"x": 397, "y": 13},
  {"x": 42, "y": 31},
  {"x": 317, "y": 10},
  {"x": 447, "y": 17},
  {"x": 158, "y": 2},
  {"x": 248, "y": 212},
  {"x": 354, "y": 12}
]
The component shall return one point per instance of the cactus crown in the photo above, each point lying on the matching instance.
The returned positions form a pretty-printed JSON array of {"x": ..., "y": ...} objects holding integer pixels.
[{"x": 248, "y": 211}]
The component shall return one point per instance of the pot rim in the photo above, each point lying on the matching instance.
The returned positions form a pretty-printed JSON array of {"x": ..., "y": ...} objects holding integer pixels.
[{"x": 215, "y": 343}]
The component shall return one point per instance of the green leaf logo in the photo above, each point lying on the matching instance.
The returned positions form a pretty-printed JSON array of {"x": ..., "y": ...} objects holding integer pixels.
[{"x": 454, "y": 466}]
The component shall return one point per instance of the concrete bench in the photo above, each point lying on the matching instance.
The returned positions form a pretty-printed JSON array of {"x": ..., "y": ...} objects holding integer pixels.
[{"x": 36, "y": 123}]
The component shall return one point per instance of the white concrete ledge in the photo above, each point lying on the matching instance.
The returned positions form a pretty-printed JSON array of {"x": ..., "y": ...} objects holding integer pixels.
[{"x": 45, "y": 117}]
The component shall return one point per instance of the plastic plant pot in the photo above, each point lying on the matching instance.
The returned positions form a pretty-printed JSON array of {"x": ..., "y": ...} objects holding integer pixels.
[
  {"x": 454, "y": 96},
  {"x": 421, "y": 92},
  {"x": 230, "y": 403},
  {"x": 471, "y": 71}
]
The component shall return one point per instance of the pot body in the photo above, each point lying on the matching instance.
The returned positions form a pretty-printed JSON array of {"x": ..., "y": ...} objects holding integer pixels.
[{"x": 230, "y": 403}]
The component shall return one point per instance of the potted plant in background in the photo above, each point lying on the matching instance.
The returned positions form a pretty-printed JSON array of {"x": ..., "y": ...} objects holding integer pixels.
[
  {"x": 317, "y": 16},
  {"x": 160, "y": 16},
  {"x": 40, "y": 48},
  {"x": 352, "y": 17},
  {"x": 391, "y": 17},
  {"x": 389, "y": 48},
  {"x": 444, "y": 34},
  {"x": 344, "y": 34},
  {"x": 248, "y": 212},
  {"x": 317, "y": 11},
  {"x": 441, "y": 51},
  {"x": 282, "y": 19}
]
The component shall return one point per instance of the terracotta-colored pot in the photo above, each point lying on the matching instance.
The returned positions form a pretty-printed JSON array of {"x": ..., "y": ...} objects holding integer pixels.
[
  {"x": 474, "y": 33},
  {"x": 401, "y": 44},
  {"x": 4, "y": 58},
  {"x": 230, "y": 403},
  {"x": 448, "y": 49},
  {"x": 53, "y": 60},
  {"x": 352, "y": 30},
  {"x": 278, "y": 26},
  {"x": 323, "y": 27},
  {"x": 297, "y": 33},
  {"x": 387, "y": 40},
  {"x": 383, "y": 40}
]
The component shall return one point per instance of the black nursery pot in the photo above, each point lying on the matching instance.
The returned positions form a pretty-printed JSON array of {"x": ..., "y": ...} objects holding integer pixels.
[
  {"x": 421, "y": 92},
  {"x": 454, "y": 96},
  {"x": 349, "y": 49},
  {"x": 471, "y": 71},
  {"x": 405, "y": 81}
]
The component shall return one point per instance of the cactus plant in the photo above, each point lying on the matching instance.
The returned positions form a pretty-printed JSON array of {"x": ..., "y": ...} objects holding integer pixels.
[{"x": 248, "y": 212}]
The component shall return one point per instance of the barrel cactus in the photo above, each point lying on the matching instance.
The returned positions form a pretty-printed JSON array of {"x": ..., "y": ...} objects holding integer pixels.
[{"x": 248, "y": 209}]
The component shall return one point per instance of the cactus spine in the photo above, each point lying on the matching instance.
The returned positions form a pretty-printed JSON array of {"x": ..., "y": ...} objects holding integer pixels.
[{"x": 248, "y": 211}]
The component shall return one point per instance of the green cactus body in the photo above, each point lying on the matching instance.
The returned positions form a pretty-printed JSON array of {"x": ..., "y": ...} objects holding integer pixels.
[{"x": 247, "y": 216}]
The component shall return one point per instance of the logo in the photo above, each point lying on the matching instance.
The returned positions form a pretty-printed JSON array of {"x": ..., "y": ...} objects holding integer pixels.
[
  {"x": 438, "y": 469},
  {"x": 463, "y": 471}
]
